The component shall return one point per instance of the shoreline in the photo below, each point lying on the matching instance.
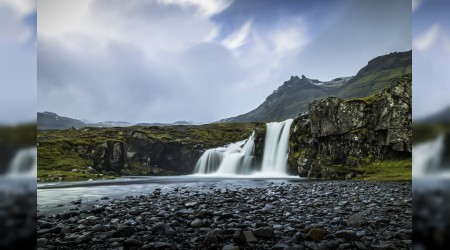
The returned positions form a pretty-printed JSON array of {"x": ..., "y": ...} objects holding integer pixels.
[{"x": 277, "y": 215}]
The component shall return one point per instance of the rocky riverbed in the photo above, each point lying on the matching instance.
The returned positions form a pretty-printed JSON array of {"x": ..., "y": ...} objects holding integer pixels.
[{"x": 310, "y": 215}]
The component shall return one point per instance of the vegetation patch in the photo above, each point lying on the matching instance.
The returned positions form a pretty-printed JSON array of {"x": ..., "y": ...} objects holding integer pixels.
[
  {"x": 393, "y": 170},
  {"x": 68, "y": 154},
  {"x": 426, "y": 132}
]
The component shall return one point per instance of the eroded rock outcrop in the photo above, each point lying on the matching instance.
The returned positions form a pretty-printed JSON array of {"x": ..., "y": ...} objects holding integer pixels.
[{"x": 337, "y": 135}]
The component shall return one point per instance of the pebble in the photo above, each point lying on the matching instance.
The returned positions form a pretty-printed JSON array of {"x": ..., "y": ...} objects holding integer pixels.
[{"x": 291, "y": 216}]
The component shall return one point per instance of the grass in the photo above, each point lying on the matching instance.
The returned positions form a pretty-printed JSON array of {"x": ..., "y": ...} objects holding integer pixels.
[
  {"x": 367, "y": 100},
  {"x": 427, "y": 132},
  {"x": 395, "y": 170},
  {"x": 57, "y": 175},
  {"x": 61, "y": 151}
]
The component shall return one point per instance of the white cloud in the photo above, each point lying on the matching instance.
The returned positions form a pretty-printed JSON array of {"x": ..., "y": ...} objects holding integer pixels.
[
  {"x": 13, "y": 25},
  {"x": 290, "y": 38},
  {"x": 416, "y": 4},
  {"x": 21, "y": 7},
  {"x": 205, "y": 7},
  {"x": 238, "y": 38},
  {"x": 424, "y": 41},
  {"x": 56, "y": 17}
]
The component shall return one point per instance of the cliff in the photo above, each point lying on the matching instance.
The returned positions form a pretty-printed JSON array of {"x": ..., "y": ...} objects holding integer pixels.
[
  {"x": 346, "y": 138},
  {"x": 93, "y": 153}
]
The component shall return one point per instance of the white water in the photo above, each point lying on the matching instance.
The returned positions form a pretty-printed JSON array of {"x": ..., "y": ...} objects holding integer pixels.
[
  {"x": 24, "y": 164},
  {"x": 236, "y": 159},
  {"x": 426, "y": 158},
  {"x": 276, "y": 147}
]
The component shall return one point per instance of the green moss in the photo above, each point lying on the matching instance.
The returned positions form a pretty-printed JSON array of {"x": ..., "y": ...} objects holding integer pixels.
[
  {"x": 61, "y": 151},
  {"x": 395, "y": 170},
  {"x": 368, "y": 100},
  {"x": 426, "y": 132},
  {"x": 61, "y": 175}
]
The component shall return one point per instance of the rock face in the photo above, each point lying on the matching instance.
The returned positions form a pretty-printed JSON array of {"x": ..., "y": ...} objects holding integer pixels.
[
  {"x": 340, "y": 133},
  {"x": 168, "y": 150}
]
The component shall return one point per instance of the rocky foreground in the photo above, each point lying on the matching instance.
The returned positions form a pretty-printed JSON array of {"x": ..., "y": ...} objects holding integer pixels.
[{"x": 313, "y": 215}]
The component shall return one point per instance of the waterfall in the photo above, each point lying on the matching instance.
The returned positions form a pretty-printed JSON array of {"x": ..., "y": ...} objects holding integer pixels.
[
  {"x": 210, "y": 161},
  {"x": 426, "y": 157},
  {"x": 24, "y": 163},
  {"x": 276, "y": 148},
  {"x": 238, "y": 158}
]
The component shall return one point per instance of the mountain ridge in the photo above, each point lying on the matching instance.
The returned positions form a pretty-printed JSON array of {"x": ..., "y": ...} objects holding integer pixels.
[
  {"x": 51, "y": 121},
  {"x": 293, "y": 96}
]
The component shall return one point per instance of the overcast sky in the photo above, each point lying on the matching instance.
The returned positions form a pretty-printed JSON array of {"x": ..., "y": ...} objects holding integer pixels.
[
  {"x": 196, "y": 60},
  {"x": 17, "y": 61},
  {"x": 431, "y": 57}
]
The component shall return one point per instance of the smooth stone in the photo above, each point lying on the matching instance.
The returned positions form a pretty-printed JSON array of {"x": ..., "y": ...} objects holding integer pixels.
[
  {"x": 98, "y": 228},
  {"x": 125, "y": 231},
  {"x": 295, "y": 247},
  {"x": 132, "y": 242},
  {"x": 357, "y": 220},
  {"x": 264, "y": 232},
  {"x": 347, "y": 235},
  {"x": 197, "y": 223},
  {"x": 210, "y": 238},
  {"x": 42, "y": 242},
  {"x": 279, "y": 246},
  {"x": 249, "y": 236},
  {"x": 239, "y": 237},
  {"x": 230, "y": 247},
  {"x": 104, "y": 235},
  {"x": 316, "y": 234},
  {"x": 360, "y": 245}
]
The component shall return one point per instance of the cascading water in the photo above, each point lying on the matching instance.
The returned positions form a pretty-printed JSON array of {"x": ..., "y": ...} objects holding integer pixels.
[
  {"x": 426, "y": 157},
  {"x": 276, "y": 147},
  {"x": 237, "y": 158},
  {"x": 24, "y": 163}
]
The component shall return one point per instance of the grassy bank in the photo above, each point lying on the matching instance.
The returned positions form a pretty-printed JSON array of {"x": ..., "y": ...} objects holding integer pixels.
[{"x": 398, "y": 170}]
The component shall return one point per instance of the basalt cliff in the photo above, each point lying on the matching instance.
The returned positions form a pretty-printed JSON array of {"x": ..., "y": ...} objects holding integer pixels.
[{"x": 340, "y": 138}]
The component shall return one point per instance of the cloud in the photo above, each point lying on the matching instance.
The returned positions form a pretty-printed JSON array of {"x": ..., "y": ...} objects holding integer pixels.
[
  {"x": 416, "y": 4},
  {"x": 238, "y": 38},
  {"x": 424, "y": 41},
  {"x": 207, "y": 8},
  {"x": 17, "y": 61},
  {"x": 167, "y": 60},
  {"x": 295, "y": 36},
  {"x": 13, "y": 22}
]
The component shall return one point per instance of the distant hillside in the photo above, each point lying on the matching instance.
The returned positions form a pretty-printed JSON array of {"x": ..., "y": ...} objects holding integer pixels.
[
  {"x": 53, "y": 121},
  {"x": 294, "y": 96},
  {"x": 49, "y": 120},
  {"x": 440, "y": 117}
]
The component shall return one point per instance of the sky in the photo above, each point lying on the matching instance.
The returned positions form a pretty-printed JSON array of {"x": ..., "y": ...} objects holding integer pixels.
[
  {"x": 201, "y": 61},
  {"x": 431, "y": 57},
  {"x": 17, "y": 61}
]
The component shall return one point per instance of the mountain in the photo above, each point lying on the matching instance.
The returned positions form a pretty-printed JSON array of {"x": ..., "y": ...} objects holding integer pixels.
[
  {"x": 294, "y": 96},
  {"x": 53, "y": 121},
  {"x": 49, "y": 120},
  {"x": 183, "y": 123},
  {"x": 440, "y": 117},
  {"x": 109, "y": 124}
]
